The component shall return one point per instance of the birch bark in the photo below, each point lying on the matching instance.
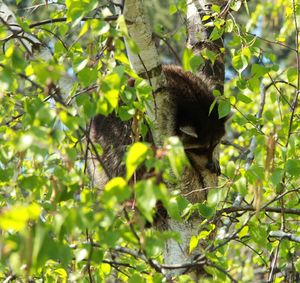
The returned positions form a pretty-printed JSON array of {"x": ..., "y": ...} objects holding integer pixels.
[{"x": 147, "y": 65}]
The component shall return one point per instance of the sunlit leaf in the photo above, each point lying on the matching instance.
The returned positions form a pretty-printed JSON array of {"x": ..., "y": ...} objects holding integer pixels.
[
  {"x": 136, "y": 155},
  {"x": 224, "y": 108},
  {"x": 17, "y": 217}
]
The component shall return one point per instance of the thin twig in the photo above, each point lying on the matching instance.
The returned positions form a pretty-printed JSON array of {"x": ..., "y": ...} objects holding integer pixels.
[
  {"x": 270, "y": 279},
  {"x": 223, "y": 271},
  {"x": 279, "y": 197},
  {"x": 252, "y": 249},
  {"x": 212, "y": 248},
  {"x": 64, "y": 19},
  {"x": 230, "y": 143},
  {"x": 85, "y": 90},
  {"x": 169, "y": 46},
  {"x": 99, "y": 159},
  {"x": 279, "y": 82},
  {"x": 131, "y": 227},
  {"x": 52, "y": 21},
  {"x": 251, "y": 208},
  {"x": 272, "y": 42},
  {"x": 150, "y": 83},
  {"x": 278, "y": 90},
  {"x": 87, "y": 148},
  {"x": 88, "y": 266},
  {"x": 156, "y": 266}
]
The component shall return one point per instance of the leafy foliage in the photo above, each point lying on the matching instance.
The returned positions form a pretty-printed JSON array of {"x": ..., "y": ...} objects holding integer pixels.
[{"x": 56, "y": 227}]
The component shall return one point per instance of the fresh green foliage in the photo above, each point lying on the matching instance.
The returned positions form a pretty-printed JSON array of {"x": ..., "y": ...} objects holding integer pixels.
[{"x": 56, "y": 227}]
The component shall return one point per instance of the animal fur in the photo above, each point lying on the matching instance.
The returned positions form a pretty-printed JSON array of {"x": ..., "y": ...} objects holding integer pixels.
[{"x": 186, "y": 115}]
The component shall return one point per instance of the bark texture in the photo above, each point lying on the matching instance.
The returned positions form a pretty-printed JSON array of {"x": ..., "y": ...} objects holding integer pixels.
[
  {"x": 213, "y": 76},
  {"x": 173, "y": 89}
]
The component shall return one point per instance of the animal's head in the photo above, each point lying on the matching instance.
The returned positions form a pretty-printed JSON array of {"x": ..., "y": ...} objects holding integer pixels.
[{"x": 200, "y": 133}]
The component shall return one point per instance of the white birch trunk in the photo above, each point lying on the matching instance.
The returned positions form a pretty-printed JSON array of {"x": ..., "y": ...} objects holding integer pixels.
[
  {"x": 178, "y": 253},
  {"x": 140, "y": 32},
  {"x": 146, "y": 61}
]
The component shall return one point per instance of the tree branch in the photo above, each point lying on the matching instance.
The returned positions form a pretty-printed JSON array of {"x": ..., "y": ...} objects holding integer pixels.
[
  {"x": 234, "y": 209},
  {"x": 283, "y": 235}
]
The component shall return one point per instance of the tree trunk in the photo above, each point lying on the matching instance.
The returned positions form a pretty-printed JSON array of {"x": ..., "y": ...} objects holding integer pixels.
[{"x": 147, "y": 65}]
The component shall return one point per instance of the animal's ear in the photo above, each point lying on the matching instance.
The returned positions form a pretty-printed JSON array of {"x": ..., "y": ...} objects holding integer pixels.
[{"x": 189, "y": 130}]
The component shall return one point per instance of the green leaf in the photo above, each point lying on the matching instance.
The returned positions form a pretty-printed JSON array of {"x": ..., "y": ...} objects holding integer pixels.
[
  {"x": 16, "y": 217},
  {"x": 195, "y": 63},
  {"x": 224, "y": 108},
  {"x": 31, "y": 182},
  {"x": 176, "y": 155},
  {"x": 6, "y": 174},
  {"x": 193, "y": 243},
  {"x": 211, "y": 107},
  {"x": 293, "y": 167},
  {"x": 132, "y": 45},
  {"x": 117, "y": 189},
  {"x": 292, "y": 75},
  {"x": 229, "y": 25},
  {"x": 76, "y": 9},
  {"x": 243, "y": 232},
  {"x": 236, "y": 5},
  {"x": 173, "y": 209},
  {"x": 279, "y": 279},
  {"x": 244, "y": 98},
  {"x": 216, "y": 33},
  {"x": 146, "y": 198},
  {"x": 256, "y": 172},
  {"x": 297, "y": 265},
  {"x": 258, "y": 71},
  {"x": 254, "y": 84},
  {"x": 126, "y": 112},
  {"x": 209, "y": 55},
  {"x": 277, "y": 176},
  {"x": 87, "y": 76},
  {"x": 137, "y": 153},
  {"x": 205, "y": 211},
  {"x": 154, "y": 245},
  {"x": 176, "y": 207},
  {"x": 186, "y": 59},
  {"x": 258, "y": 233},
  {"x": 239, "y": 62},
  {"x": 216, "y": 8},
  {"x": 136, "y": 278},
  {"x": 172, "y": 9}
]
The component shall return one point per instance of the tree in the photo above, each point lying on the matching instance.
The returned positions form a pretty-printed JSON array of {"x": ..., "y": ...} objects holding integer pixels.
[{"x": 66, "y": 62}]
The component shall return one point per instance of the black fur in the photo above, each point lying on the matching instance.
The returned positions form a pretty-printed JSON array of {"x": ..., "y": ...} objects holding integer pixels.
[{"x": 191, "y": 99}]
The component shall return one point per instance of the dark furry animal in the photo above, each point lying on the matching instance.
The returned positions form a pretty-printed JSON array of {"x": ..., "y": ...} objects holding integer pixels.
[{"x": 186, "y": 115}]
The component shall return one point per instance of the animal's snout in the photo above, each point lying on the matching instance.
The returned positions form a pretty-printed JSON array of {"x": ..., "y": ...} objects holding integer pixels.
[
  {"x": 208, "y": 6},
  {"x": 214, "y": 167}
]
